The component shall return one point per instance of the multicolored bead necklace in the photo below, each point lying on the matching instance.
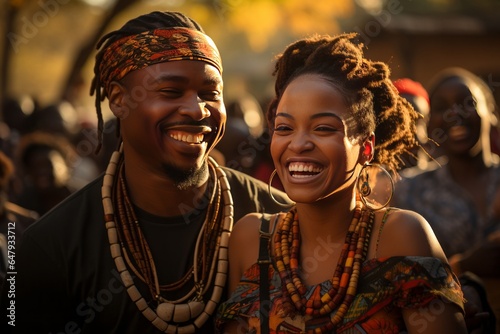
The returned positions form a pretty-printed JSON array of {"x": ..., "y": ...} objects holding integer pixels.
[
  {"x": 337, "y": 300},
  {"x": 129, "y": 249}
]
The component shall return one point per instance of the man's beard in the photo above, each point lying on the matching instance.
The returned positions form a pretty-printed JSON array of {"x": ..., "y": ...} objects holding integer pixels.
[{"x": 187, "y": 178}]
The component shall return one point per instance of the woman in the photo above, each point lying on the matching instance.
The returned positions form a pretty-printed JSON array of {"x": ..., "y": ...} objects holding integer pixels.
[
  {"x": 341, "y": 261},
  {"x": 460, "y": 198},
  {"x": 464, "y": 210}
]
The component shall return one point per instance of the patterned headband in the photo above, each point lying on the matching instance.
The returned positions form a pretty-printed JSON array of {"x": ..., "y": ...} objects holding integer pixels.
[{"x": 157, "y": 46}]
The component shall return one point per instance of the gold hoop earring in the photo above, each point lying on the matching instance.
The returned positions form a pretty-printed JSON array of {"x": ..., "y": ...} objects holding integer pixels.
[
  {"x": 370, "y": 183},
  {"x": 269, "y": 186}
]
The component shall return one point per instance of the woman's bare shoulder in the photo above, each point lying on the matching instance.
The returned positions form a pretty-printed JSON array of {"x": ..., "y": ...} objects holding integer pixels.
[
  {"x": 250, "y": 225},
  {"x": 407, "y": 233},
  {"x": 245, "y": 236},
  {"x": 244, "y": 246},
  {"x": 247, "y": 222}
]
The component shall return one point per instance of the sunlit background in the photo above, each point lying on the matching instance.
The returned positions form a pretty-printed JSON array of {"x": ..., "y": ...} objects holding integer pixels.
[
  {"x": 48, "y": 49},
  {"x": 47, "y": 57}
]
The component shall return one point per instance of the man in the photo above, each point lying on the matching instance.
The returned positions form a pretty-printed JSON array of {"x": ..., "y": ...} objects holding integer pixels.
[{"x": 144, "y": 248}]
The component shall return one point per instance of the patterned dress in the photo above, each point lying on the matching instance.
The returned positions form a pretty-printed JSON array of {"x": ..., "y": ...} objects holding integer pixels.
[
  {"x": 449, "y": 209},
  {"x": 386, "y": 285}
]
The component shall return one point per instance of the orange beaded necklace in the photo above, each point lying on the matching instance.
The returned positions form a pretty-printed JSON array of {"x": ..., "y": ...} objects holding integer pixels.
[
  {"x": 189, "y": 313},
  {"x": 345, "y": 278}
]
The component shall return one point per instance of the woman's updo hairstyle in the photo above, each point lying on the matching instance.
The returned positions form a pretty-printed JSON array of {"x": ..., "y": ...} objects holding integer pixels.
[{"x": 366, "y": 86}]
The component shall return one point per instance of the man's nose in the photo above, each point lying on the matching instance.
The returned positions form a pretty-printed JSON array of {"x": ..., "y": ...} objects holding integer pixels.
[{"x": 195, "y": 108}]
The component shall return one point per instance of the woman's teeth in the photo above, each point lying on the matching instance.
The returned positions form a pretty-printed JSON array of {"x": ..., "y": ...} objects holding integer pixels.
[{"x": 300, "y": 169}]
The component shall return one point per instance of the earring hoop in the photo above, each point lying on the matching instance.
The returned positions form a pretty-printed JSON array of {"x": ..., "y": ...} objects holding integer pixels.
[
  {"x": 365, "y": 187},
  {"x": 269, "y": 186}
]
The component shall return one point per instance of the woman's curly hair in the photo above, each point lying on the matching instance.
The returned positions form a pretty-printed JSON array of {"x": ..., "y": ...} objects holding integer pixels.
[{"x": 366, "y": 86}]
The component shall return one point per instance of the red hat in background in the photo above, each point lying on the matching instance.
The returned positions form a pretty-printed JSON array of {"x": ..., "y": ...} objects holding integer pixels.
[{"x": 408, "y": 86}]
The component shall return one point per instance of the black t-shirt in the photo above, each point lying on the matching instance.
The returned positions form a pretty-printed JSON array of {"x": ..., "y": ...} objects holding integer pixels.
[{"x": 67, "y": 282}]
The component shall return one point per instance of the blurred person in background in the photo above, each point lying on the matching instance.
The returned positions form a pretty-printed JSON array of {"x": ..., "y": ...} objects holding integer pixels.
[
  {"x": 45, "y": 166},
  {"x": 420, "y": 156},
  {"x": 240, "y": 145},
  {"x": 14, "y": 219},
  {"x": 15, "y": 112},
  {"x": 62, "y": 119},
  {"x": 461, "y": 197}
]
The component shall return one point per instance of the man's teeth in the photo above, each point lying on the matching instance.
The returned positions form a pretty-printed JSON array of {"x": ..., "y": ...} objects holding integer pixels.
[{"x": 186, "y": 137}]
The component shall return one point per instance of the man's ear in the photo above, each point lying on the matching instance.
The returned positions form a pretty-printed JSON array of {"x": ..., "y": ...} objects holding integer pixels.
[
  {"x": 368, "y": 149},
  {"x": 117, "y": 101}
]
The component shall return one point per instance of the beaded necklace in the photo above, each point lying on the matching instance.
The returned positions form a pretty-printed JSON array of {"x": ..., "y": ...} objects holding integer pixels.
[
  {"x": 346, "y": 275},
  {"x": 129, "y": 249}
]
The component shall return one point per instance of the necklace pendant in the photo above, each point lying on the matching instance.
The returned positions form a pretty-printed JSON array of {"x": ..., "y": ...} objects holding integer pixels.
[{"x": 179, "y": 312}]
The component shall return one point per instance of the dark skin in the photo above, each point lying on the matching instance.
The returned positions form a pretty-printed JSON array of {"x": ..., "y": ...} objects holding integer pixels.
[
  {"x": 311, "y": 131},
  {"x": 463, "y": 134},
  {"x": 171, "y": 115},
  {"x": 453, "y": 112}
]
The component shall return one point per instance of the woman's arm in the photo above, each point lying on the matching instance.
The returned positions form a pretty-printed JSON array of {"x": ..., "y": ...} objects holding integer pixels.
[
  {"x": 243, "y": 248},
  {"x": 243, "y": 253},
  {"x": 407, "y": 233},
  {"x": 438, "y": 317}
]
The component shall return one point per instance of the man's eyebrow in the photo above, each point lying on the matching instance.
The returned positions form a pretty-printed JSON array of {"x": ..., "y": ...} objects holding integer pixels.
[
  {"x": 213, "y": 80},
  {"x": 171, "y": 77}
]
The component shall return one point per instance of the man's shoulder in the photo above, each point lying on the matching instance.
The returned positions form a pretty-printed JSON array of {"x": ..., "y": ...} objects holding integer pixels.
[
  {"x": 237, "y": 177},
  {"x": 247, "y": 184},
  {"x": 252, "y": 195}
]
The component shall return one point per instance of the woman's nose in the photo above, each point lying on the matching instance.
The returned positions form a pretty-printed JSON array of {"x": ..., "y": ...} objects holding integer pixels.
[{"x": 301, "y": 142}]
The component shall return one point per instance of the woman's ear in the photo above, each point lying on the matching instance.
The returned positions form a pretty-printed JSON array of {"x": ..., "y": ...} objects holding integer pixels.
[
  {"x": 368, "y": 149},
  {"x": 117, "y": 100}
]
